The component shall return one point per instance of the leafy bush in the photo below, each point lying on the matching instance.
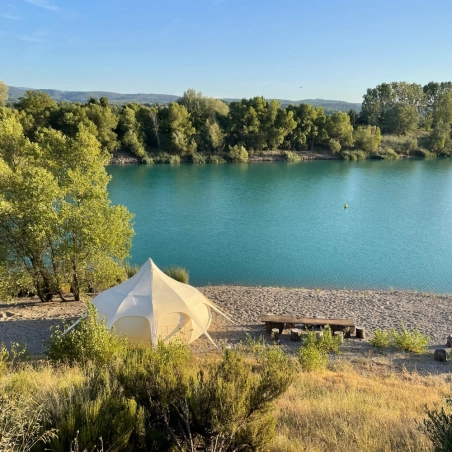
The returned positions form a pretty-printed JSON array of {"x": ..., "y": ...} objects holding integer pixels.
[
  {"x": 385, "y": 153},
  {"x": 226, "y": 402},
  {"x": 215, "y": 159},
  {"x": 178, "y": 273},
  {"x": 334, "y": 146},
  {"x": 424, "y": 153},
  {"x": 91, "y": 409},
  {"x": 198, "y": 158},
  {"x": 410, "y": 341},
  {"x": 290, "y": 156},
  {"x": 354, "y": 155},
  {"x": 381, "y": 339},
  {"x": 163, "y": 157},
  {"x": 313, "y": 354},
  {"x": 438, "y": 427},
  {"x": 311, "y": 358},
  {"x": 90, "y": 340},
  {"x": 238, "y": 153}
]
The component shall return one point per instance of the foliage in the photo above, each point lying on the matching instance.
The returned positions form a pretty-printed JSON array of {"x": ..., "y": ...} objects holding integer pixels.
[
  {"x": 334, "y": 145},
  {"x": 61, "y": 184},
  {"x": 131, "y": 270},
  {"x": 380, "y": 339},
  {"x": 21, "y": 420},
  {"x": 290, "y": 156},
  {"x": 178, "y": 273},
  {"x": 354, "y": 155},
  {"x": 215, "y": 159},
  {"x": 3, "y": 93},
  {"x": 90, "y": 340},
  {"x": 238, "y": 154},
  {"x": 438, "y": 427},
  {"x": 311, "y": 358},
  {"x": 410, "y": 341},
  {"x": 9, "y": 358},
  {"x": 367, "y": 138},
  {"x": 91, "y": 409},
  {"x": 313, "y": 354}
]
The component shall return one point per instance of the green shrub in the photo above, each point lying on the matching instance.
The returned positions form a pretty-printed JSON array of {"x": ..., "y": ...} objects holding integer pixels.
[
  {"x": 94, "y": 408},
  {"x": 290, "y": 156},
  {"x": 385, "y": 154},
  {"x": 354, "y": 155},
  {"x": 21, "y": 421},
  {"x": 178, "y": 273},
  {"x": 90, "y": 340},
  {"x": 313, "y": 354},
  {"x": 311, "y": 358},
  {"x": 424, "y": 153},
  {"x": 215, "y": 159},
  {"x": 438, "y": 427},
  {"x": 198, "y": 158},
  {"x": 334, "y": 146},
  {"x": 8, "y": 359},
  {"x": 166, "y": 158},
  {"x": 238, "y": 153},
  {"x": 410, "y": 341},
  {"x": 226, "y": 401},
  {"x": 381, "y": 339}
]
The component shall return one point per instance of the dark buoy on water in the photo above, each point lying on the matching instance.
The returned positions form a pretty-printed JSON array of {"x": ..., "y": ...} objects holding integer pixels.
[{"x": 345, "y": 206}]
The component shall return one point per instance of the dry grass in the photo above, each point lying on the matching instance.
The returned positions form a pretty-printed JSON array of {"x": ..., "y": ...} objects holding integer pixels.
[
  {"x": 348, "y": 409},
  {"x": 364, "y": 408}
]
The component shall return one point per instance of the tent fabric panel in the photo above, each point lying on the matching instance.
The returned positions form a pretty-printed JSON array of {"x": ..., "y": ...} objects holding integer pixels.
[{"x": 136, "y": 329}]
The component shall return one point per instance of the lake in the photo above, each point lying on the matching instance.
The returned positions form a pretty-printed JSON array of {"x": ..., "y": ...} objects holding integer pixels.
[{"x": 284, "y": 224}]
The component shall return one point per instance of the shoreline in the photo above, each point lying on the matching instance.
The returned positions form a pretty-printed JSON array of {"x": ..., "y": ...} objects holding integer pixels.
[{"x": 29, "y": 321}]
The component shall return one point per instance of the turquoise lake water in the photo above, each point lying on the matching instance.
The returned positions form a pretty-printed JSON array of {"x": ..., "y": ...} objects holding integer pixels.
[{"x": 284, "y": 224}]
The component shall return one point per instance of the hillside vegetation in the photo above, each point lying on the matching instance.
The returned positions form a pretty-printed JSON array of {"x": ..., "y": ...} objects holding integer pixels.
[{"x": 396, "y": 120}]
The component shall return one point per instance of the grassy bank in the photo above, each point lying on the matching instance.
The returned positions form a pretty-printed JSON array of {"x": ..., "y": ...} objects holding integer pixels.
[{"x": 337, "y": 409}]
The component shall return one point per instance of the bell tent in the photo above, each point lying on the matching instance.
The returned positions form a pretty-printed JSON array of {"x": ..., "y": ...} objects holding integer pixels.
[{"x": 152, "y": 306}]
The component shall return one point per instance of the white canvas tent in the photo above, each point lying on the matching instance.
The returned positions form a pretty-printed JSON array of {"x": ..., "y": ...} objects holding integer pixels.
[{"x": 152, "y": 306}]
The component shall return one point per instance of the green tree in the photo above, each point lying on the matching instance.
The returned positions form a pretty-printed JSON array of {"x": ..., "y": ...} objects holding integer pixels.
[
  {"x": 402, "y": 119},
  {"x": 69, "y": 117},
  {"x": 367, "y": 138},
  {"x": 3, "y": 93},
  {"x": 441, "y": 138},
  {"x": 176, "y": 125},
  {"x": 339, "y": 128},
  {"x": 310, "y": 127},
  {"x": 37, "y": 107},
  {"x": 202, "y": 108},
  {"x": 106, "y": 122},
  {"x": 129, "y": 132},
  {"x": 56, "y": 222}
]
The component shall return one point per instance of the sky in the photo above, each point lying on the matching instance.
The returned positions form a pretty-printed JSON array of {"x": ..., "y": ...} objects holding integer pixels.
[{"x": 284, "y": 49}]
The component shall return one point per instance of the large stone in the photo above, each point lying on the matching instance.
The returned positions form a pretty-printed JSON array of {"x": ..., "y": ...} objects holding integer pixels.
[
  {"x": 449, "y": 340},
  {"x": 440, "y": 355}
]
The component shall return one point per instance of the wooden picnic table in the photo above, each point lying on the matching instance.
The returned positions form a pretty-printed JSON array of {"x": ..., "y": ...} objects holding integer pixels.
[{"x": 286, "y": 321}]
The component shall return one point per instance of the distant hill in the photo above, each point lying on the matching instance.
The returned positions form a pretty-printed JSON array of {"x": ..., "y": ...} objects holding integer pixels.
[
  {"x": 329, "y": 106},
  {"x": 116, "y": 98},
  {"x": 83, "y": 96}
]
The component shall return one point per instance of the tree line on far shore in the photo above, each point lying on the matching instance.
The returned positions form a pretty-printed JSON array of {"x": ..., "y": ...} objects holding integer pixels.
[{"x": 396, "y": 119}]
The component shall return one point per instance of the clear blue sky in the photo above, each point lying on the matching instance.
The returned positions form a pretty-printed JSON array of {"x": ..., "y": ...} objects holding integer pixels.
[{"x": 334, "y": 49}]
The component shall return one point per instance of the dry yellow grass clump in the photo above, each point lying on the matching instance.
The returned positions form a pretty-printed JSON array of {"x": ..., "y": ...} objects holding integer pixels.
[{"x": 346, "y": 409}]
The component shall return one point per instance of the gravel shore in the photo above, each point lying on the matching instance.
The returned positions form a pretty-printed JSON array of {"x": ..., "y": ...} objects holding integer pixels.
[{"x": 29, "y": 321}]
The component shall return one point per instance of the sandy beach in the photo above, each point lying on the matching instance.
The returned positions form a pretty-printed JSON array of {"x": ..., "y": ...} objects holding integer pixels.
[{"x": 30, "y": 322}]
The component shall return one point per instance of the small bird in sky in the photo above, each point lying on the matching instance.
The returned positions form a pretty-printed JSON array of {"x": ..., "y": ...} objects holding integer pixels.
[{"x": 301, "y": 87}]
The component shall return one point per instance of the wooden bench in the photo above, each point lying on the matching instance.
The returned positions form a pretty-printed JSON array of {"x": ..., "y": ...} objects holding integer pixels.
[{"x": 286, "y": 321}]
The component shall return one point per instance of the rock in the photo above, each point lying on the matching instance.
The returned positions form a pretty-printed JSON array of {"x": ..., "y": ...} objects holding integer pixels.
[
  {"x": 295, "y": 335},
  {"x": 440, "y": 355},
  {"x": 449, "y": 340}
]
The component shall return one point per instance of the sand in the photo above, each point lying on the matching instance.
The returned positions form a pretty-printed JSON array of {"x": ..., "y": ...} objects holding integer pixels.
[{"x": 29, "y": 321}]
